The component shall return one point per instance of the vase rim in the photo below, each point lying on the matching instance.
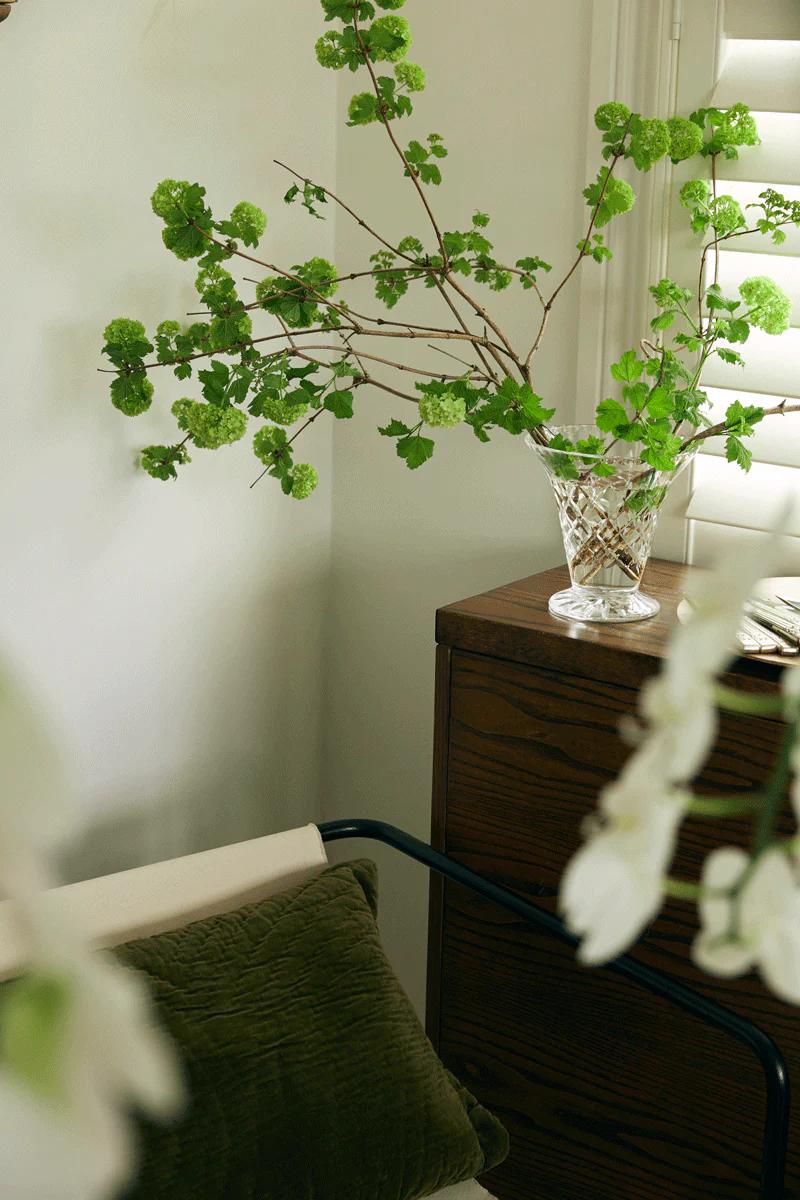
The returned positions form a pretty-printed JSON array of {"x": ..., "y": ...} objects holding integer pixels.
[{"x": 592, "y": 430}]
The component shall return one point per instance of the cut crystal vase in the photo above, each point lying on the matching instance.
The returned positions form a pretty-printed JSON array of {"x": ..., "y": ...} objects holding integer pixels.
[{"x": 608, "y": 507}]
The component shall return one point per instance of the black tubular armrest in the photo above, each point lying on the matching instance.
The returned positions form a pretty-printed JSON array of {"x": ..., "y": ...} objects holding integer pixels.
[{"x": 773, "y": 1065}]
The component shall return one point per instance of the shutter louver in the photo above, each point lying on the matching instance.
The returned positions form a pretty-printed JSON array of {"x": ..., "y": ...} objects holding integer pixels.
[{"x": 724, "y": 500}]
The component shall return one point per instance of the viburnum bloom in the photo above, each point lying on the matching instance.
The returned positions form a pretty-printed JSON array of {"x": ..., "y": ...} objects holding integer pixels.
[{"x": 757, "y": 928}]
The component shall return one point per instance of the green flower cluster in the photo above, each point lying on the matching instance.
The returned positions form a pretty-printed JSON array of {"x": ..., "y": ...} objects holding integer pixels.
[
  {"x": 126, "y": 346},
  {"x": 389, "y": 39},
  {"x": 738, "y": 126},
  {"x": 695, "y": 192},
  {"x": 685, "y": 138},
  {"x": 443, "y": 411},
  {"x": 619, "y": 197},
  {"x": 770, "y": 307},
  {"x": 161, "y": 462},
  {"x": 126, "y": 340},
  {"x": 269, "y": 444},
  {"x": 390, "y": 3},
  {"x": 248, "y": 222},
  {"x": 210, "y": 425},
  {"x": 181, "y": 207},
  {"x": 650, "y": 141},
  {"x": 296, "y": 301},
  {"x": 329, "y": 52},
  {"x": 611, "y": 114},
  {"x": 410, "y": 76},
  {"x": 283, "y": 410},
  {"x": 726, "y": 215},
  {"x": 304, "y": 481}
]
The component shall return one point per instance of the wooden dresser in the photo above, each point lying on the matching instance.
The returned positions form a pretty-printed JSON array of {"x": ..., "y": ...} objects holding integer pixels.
[{"x": 608, "y": 1092}]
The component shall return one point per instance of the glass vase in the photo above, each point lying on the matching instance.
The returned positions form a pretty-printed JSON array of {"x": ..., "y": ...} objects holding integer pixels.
[{"x": 608, "y": 508}]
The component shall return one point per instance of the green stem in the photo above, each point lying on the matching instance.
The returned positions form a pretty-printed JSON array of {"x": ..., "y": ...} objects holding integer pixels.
[
  {"x": 775, "y": 791},
  {"x": 682, "y": 889},
  {"x": 724, "y": 806},
  {"x": 734, "y": 700}
]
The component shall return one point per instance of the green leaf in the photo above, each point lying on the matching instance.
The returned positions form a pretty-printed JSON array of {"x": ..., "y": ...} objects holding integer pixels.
[
  {"x": 628, "y": 369},
  {"x": 395, "y": 428},
  {"x": 736, "y": 451},
  {"x": 430, "y": 173},
  {"x": 610, "y": 415},
  {"x": 415, "y": 450},
  {"x": 646, "y": 498},
  {"x": 741, "y": 419},
  {"x": 340, "y": 404},
  {"x": 215, "y": 383},
  {"x": 661, "y": 402}
]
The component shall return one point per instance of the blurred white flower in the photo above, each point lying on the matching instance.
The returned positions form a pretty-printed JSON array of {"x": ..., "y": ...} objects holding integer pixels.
[
  {"x": 614, "y": 885},
  {"x": 760, "y": 927},
  {"x": 78, "y": 1048}
]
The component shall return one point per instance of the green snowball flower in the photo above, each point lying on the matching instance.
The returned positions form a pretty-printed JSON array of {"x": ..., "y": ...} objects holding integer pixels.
[
  {"x": 250, "y": 222},
  {"x": 319, "y": 274},
  {"x": 738, "y": 127},
  {"x": 282, "y": 410},
  {"x": 168, "y": 329},
  {"x": 268, "y": 444},
  {"x": 389, "y": 39},
  {"x": 210, "y": 425},
  {"x": 650, "y": 142},
  {"x": 132, "y": 394},
  {"x": 619, "y": 197},
  {"x": 694, "y": 193},
  {"x": 770, "y": 306},
  {"x": 444, "y": 411},
  {"x": 726, "y": 215},
  {"x": 328, "y": 50},
  {"x": 685, "y": 138},
  {"x": 304, "y": 480},
  {"x": 411, "y": 76},
  {"x": 127, "y": 339},
  {"x": 166, "y": 200},
  {"x": 610, "y": 114},
  {"x": 390, "y": 3}
]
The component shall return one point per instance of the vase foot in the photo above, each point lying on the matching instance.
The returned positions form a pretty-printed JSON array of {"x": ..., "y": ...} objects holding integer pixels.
[{"x": 602, "y": 605}]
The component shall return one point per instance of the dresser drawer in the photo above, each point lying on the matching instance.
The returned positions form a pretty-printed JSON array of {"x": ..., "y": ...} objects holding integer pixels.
[{"x": 608, "y": 1092}]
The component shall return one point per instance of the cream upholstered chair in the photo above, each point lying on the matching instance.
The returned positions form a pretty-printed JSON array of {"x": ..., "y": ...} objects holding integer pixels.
[{"x": 169, "y": 895}]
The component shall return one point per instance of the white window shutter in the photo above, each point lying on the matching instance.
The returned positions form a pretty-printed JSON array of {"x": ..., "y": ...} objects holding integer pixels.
[{"x": 765, "y": 74}]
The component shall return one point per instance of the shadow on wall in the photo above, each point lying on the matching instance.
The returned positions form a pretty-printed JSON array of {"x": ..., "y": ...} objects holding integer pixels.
[
  {"x": 382, "y": 657},
  {"x": 253, "y": 721}
]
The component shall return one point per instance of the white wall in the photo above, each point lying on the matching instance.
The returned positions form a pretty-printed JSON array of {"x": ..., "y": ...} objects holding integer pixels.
[
  {"x": 174, "y": 630},
  {"x": 510, "y": 98},
  {"x": 189, "y": 637}
]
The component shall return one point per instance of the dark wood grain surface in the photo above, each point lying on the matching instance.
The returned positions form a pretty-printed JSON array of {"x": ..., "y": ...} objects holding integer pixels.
[{"x": 607, "y": 1092}]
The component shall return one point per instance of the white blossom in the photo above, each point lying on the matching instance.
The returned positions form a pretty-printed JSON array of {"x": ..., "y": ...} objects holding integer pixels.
[
  {"x": 65, "y": 1127},
  {"x": 614, "y": 885},
  {"x": 759, "y": 927}
]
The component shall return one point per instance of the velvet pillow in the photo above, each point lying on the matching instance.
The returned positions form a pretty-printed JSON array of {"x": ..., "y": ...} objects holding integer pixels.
[{"x": 310, "y": 1076}]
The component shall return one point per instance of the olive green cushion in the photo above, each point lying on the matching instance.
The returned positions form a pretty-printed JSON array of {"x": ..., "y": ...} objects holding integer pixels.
[{"x": 309, "y": 1073}]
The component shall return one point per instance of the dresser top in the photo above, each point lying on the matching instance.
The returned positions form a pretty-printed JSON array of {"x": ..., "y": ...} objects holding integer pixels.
[{"x": 513, "y": 622}]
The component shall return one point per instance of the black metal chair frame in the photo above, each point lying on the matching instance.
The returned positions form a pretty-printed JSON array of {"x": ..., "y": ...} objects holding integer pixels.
[{"x": 773, "y": 1065}]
